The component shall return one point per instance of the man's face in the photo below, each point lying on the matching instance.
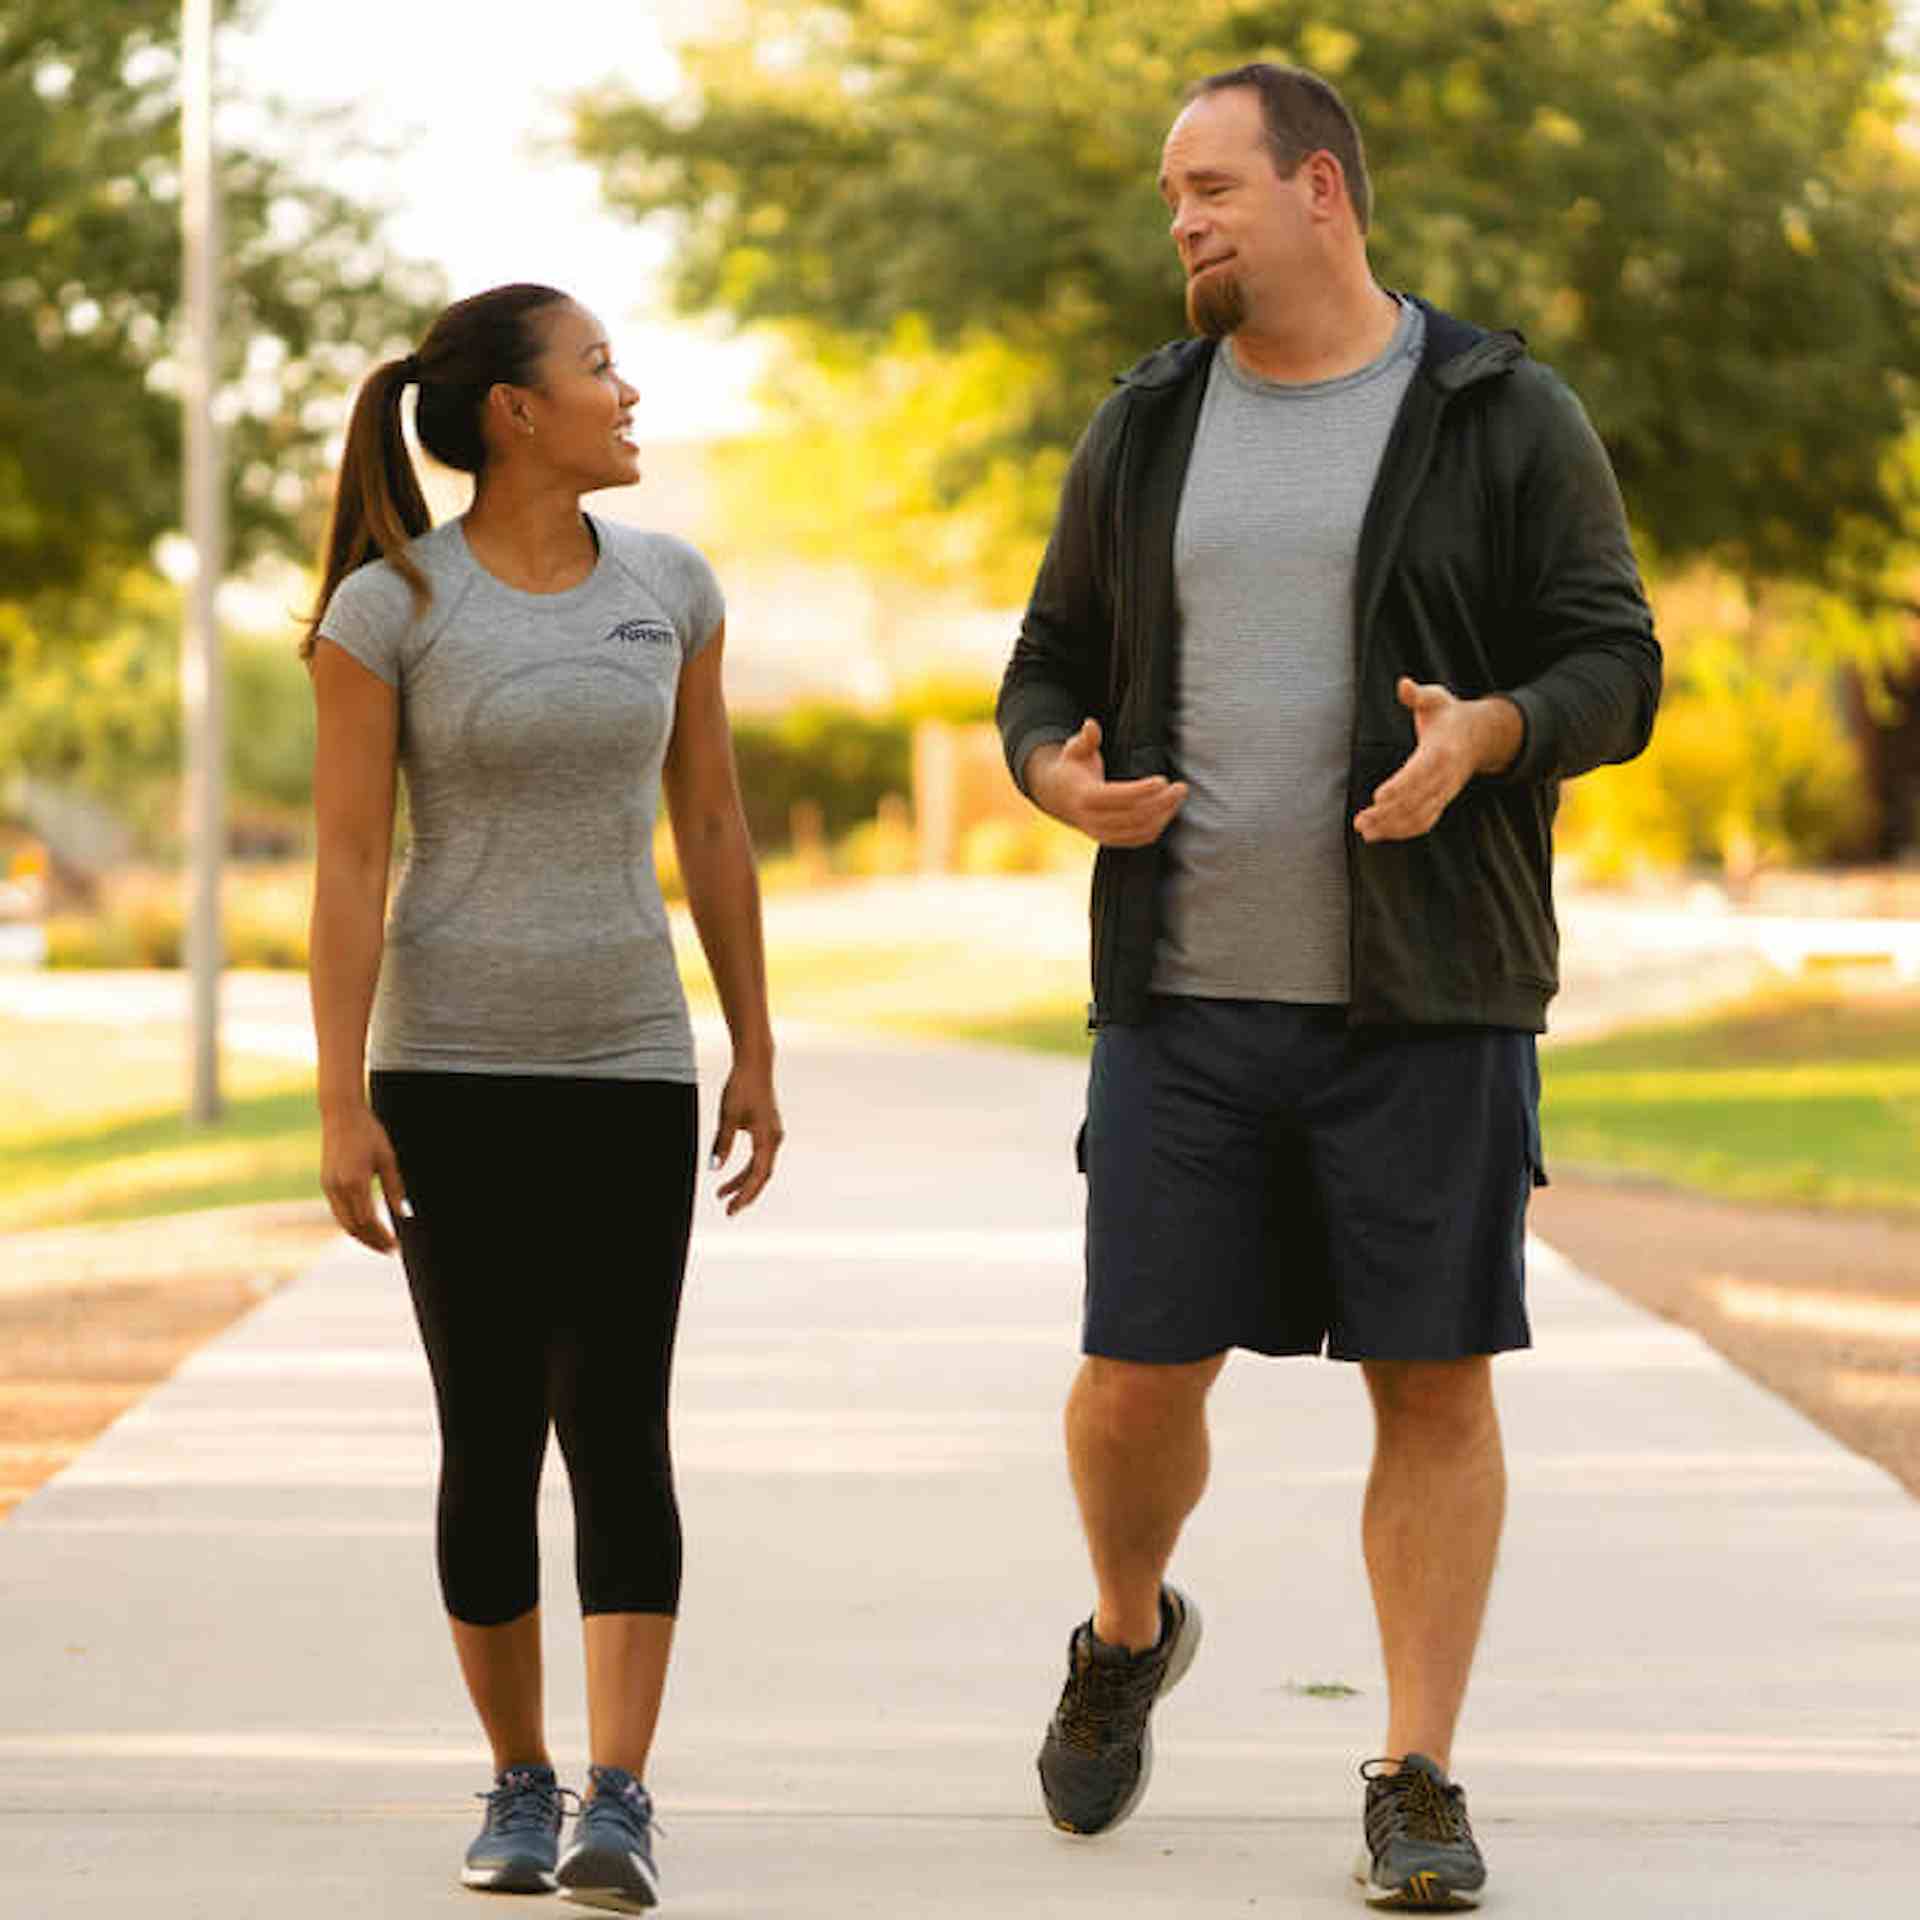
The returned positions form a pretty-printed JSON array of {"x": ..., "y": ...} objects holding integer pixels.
[{"x": 1240, "y": 228}]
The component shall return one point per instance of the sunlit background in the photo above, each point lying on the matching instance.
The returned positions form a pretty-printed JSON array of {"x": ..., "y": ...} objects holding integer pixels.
[{"x": 871, "y": 266}]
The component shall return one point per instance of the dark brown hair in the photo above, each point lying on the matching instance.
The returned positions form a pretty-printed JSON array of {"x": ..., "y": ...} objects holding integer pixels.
[
  {"x": 1303, "y": 114},
  {"x": 474, "y": 346}
]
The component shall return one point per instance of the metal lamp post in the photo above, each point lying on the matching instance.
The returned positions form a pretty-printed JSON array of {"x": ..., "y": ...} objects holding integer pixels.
[{"x": 203, "y": 709}]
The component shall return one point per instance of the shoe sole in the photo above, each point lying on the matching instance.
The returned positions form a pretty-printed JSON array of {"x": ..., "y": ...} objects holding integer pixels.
[
  {"x": 508, "y": 1880},
  {"x": 1186, "y": 1643},
  {"x": 614, "y": 1882},
  {"x": 1423, "y": 1893}
]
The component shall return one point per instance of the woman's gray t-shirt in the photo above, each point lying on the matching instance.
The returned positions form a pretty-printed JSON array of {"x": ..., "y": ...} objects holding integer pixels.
[{"x": 528, "y": 934}]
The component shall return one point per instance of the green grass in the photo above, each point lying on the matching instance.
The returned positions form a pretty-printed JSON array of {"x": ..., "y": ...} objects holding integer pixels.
[
  {"x": 1048, "y": 1026},
  {"x": 93, "y": 1130},
  {"x": 264, "y": 1147},
  {"x": 1807, "y": 1099},
  {"x": 1810, "y": 1098}
]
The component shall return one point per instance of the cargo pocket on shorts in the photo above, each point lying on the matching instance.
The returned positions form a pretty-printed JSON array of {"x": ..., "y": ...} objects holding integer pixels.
[{"x": 1536, "y": 1152}]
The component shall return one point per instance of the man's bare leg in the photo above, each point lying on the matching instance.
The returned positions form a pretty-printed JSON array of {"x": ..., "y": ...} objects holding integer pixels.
[
  {"x": 1137, "y": 1449},
  {"x": 1431, "y": 1529}
]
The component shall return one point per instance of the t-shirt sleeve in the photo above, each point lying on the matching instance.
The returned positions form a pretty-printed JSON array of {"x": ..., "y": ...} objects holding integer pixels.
[
  {"x": 368, "y": 617},
  {"x": 692, "y": 594}
]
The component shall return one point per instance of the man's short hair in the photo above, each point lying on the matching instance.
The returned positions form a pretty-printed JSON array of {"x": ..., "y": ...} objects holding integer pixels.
[{"x": 1303, "y": 114}]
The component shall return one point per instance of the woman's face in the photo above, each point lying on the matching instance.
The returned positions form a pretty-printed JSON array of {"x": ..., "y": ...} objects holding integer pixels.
[{"x": 578, "y": 417}]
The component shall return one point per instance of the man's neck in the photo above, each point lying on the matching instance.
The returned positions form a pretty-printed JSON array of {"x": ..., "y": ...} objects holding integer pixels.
[{"x": 1337, "y": 337}]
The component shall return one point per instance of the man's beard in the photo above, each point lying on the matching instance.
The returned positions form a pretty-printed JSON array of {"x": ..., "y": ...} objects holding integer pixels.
[{"x": 1216, "y": 303}]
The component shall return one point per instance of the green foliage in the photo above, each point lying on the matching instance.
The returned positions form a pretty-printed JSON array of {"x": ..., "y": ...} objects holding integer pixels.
[
  {"x": 141, "y": 918},
  {"x": 840, "y": 759},
  {"x": 89, "y": 685},
  {"x": 89, "y": 290},
  {"x": 89, "y": 698},
  {"x": 89, "y": 409},
  {"x": 1751, "y": 765},
  {"x": 906, "y": 460},
  {"x": 270, "y": 725},
  {"x": 1702, "y": 211}
]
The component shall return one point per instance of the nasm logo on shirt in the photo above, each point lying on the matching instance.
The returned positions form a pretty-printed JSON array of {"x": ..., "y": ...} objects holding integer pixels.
[{"x": 637, "y": 632}]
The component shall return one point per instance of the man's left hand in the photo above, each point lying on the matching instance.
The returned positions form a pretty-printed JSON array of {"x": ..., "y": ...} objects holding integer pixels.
[{"x": 1454, "y": 740}]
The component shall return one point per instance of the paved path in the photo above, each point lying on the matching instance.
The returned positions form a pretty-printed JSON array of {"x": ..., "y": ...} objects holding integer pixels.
[{"x": 225, "y": 1688}]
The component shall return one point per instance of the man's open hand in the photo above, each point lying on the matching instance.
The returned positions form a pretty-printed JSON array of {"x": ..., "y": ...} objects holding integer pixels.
[
  {"x": 1070, "y": 782},
  {"x": 1454, "y": 740}
]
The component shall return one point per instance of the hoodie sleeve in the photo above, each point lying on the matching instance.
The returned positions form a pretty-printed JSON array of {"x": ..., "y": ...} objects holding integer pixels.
[
  {"x": 1060, "y": 667},
  {"x": 1582, "y": 610}
]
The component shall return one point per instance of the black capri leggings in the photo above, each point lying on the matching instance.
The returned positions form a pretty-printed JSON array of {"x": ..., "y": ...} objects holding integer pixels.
[{"x": 545, "y": 1257}]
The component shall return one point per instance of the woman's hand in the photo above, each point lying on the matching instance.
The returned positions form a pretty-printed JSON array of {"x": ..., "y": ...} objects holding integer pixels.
[
  {"x": 747, "y": 1106},
  {"x": 354, "y": 1152}
]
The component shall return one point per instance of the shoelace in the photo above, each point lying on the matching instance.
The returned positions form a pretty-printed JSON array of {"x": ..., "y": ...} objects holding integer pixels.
[
  {"x": 632, "y": 1801},
  {"x": 524, "y": 1802},
  {"x": 1104, "y": 1697},
  {"x": 1429, "y": 1810}
]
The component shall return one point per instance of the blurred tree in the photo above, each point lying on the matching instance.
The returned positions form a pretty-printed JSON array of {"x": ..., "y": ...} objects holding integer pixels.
[
  {"x": 89, "y": 286},
  {"x": 1702, "y": 211},
  {"x": 904, "y": 459},
  {"x": 89, "y": 408},
  {"x": 90, "y": 686}
]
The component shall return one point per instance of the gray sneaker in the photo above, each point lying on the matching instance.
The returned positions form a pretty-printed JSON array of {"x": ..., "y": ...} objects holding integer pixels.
[
  {"x": 1097, "y": 1756},
  {"x": 610, "y": 1863},
  {"x": 1421, "y": 1855},
  {"x": 518, "y": 1843}
]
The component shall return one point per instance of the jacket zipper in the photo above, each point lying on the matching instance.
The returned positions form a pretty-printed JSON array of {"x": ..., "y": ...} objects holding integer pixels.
[{"x": 1408, "y": 476}]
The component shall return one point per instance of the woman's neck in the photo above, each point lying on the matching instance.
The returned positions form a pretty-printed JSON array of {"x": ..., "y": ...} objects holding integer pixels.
[{"x": 536, "y": 540}]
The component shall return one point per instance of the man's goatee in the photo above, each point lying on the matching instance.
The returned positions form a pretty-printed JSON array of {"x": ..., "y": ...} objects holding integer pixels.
[{"x": 1216, "y": 304}]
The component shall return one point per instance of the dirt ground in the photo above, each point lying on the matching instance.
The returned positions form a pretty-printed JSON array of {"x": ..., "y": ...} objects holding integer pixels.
[
  {"x": 1823, "y": 1309},
  {"x": 91, "y": 1318}
]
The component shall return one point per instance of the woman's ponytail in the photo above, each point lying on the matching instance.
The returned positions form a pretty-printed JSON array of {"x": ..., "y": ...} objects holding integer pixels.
[
  {"x": 377, "y": 504},
  {"x": 378, "y": 508}
]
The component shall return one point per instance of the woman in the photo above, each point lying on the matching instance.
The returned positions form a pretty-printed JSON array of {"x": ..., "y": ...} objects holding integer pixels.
[{"x": 530, "y": 1113}]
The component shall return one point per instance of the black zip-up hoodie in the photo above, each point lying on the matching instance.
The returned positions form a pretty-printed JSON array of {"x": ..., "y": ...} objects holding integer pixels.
[{"x": 1494, "y": 558}]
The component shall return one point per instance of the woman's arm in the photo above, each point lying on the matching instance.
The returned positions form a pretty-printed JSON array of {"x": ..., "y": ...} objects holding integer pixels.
[
  {"x": 354, "y": 763},
  {"x": 716, "y": 862}
]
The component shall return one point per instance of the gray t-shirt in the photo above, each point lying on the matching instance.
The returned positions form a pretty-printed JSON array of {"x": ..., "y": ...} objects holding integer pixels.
[
  {"x": 528, "y": 934},
  {"x": 1255, "y": 906}
]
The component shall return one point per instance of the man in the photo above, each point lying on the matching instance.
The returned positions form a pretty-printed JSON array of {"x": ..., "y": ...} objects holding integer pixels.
[{"x": 1339, "y": 591}]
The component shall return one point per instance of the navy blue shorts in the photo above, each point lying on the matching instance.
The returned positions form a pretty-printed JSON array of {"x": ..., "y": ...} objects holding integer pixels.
[{"x": 1262, "y": 1175}]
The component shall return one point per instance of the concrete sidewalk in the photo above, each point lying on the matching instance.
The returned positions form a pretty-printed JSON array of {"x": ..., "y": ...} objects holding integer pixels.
[{"x": 225, "y": 1686}]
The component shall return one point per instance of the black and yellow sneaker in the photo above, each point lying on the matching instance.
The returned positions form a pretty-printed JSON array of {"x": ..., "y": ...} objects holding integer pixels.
[
  {"x": 1421, "y": 1856},
  {"x": 1098, "y": 1754}
]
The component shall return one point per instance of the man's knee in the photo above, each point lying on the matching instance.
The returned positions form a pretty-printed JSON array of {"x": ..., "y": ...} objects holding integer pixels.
[
  {"x": 1441, "y": 1402},
  {"x": 1123, "y": 1397}
]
